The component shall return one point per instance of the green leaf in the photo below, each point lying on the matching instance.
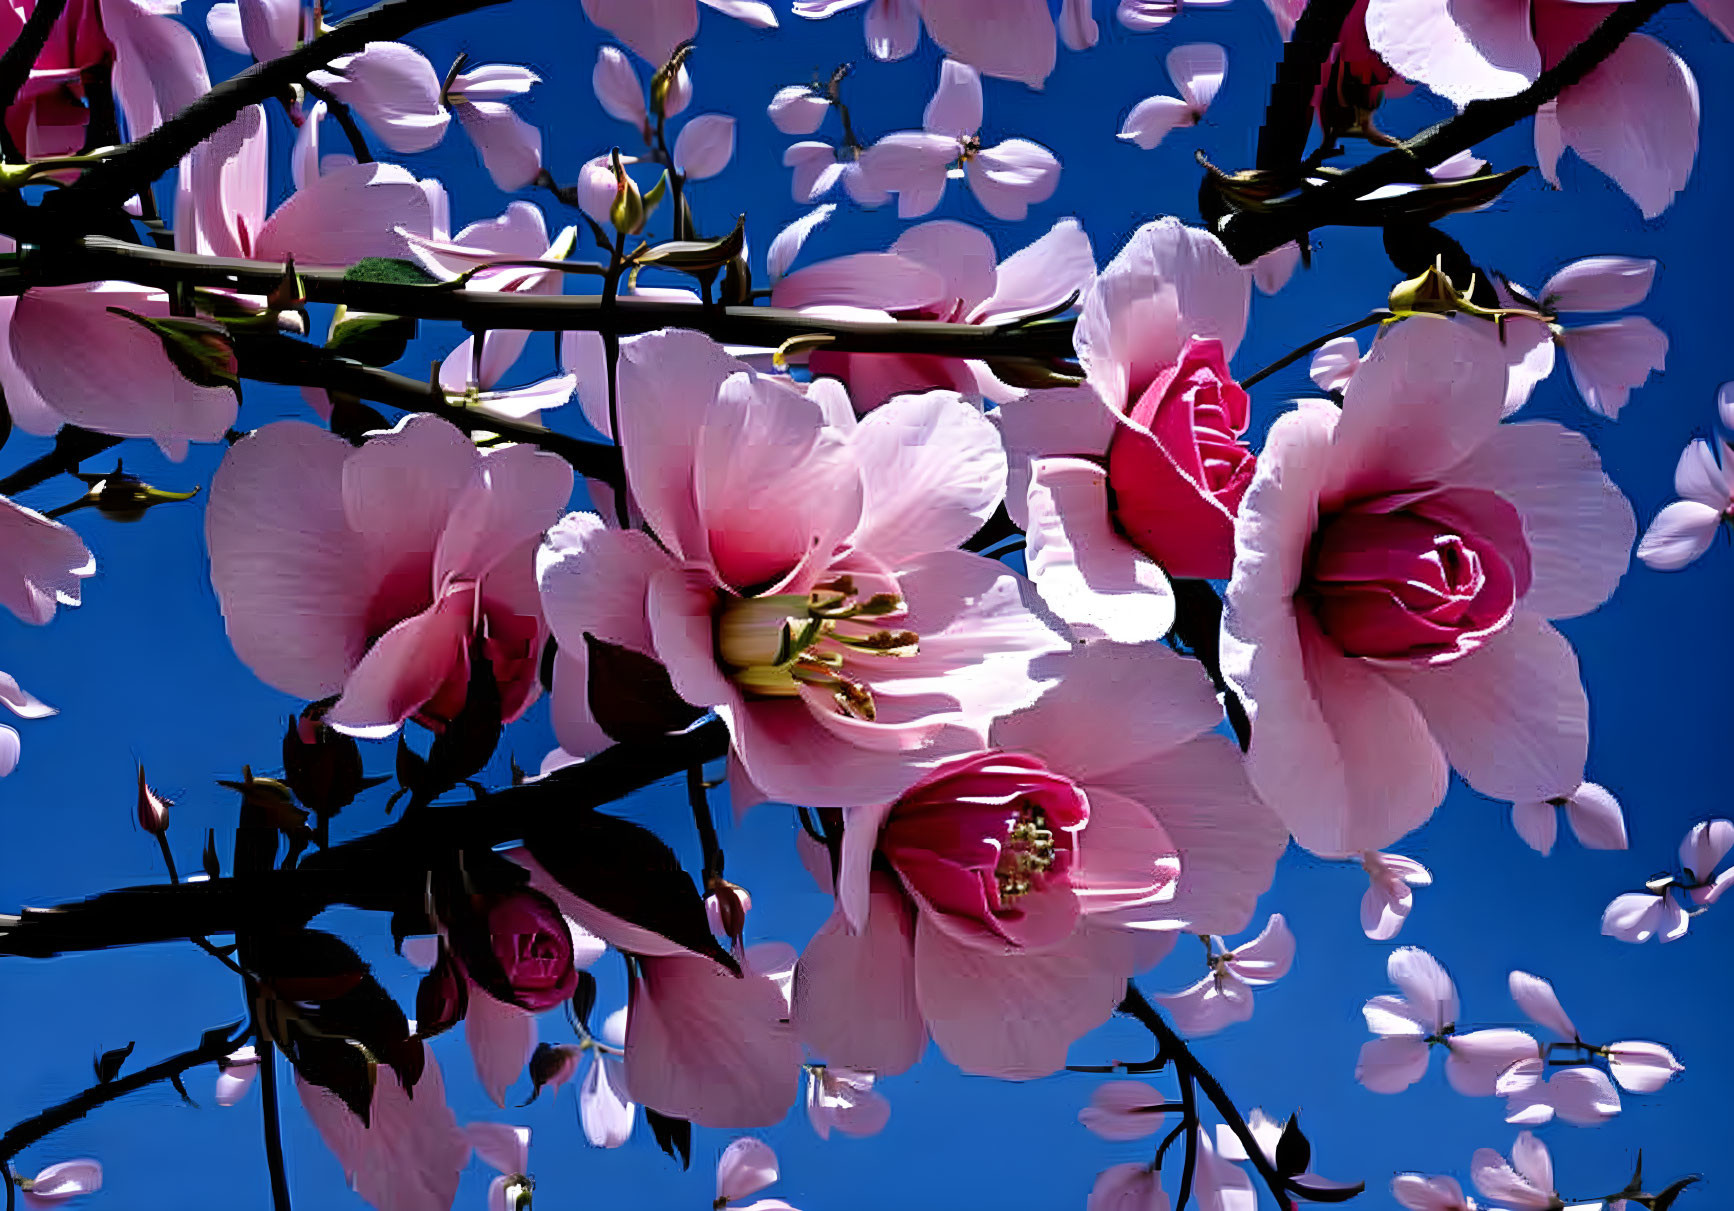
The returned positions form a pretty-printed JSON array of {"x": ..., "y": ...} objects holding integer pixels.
[
  {"x": 199, "y": 349},
  {"x": 368, "y": 337},
  {"x": 697, "y": 256},
  {"x": 392, "y": 271}
]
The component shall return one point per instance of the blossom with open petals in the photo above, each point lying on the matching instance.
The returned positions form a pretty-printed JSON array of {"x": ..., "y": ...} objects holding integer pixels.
[
  {"x": 1425, "y": 1015},
  {"x": 803, "y": 580},
  {"x": 1000, "y": 905},
  {"x": 1388, "y": 898},
  {"x": 1526, "y": 1182},
  {"x": 1594, "y": 815},
  {"x": 1396, "y": 565},
  {"x": 1685, "y": 529},
  {"x": 1224, "y": 995},
  {"x": 1607, "y": 359},
  {"x": 1197, "y": 70},
  {"x": 1013, "y": 39},
  {"x": 915, "y": 164}
]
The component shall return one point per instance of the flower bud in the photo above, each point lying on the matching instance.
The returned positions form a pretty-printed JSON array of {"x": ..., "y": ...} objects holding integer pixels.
[
  {"x": 153, "y": 809},
  {"x": 626, "y": 214}
]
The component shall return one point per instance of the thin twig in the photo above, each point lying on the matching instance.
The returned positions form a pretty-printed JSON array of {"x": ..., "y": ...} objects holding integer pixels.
[
  {"x": 72, "y": 446},
  {"x": 214, "y": 1046},
  {"x": 273, "y": 1126},
  {"x": 1366, "y": 321},
  {"x": 344, "y": 117},
  {"x": 1189, "y": 1119},
  {"x": 701, "y": 818}
]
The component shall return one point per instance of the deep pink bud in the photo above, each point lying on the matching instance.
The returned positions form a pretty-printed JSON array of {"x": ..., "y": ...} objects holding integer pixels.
[
  {"x": 531, "y": 947},
  {"x": 153, "y": 809},
  {"x": 1178, "y": 468}
]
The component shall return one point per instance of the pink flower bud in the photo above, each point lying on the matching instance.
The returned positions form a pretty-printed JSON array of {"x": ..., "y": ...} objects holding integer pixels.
[
  {"x": 531, "y": 948},
  {"x": 153, "y": 809}
]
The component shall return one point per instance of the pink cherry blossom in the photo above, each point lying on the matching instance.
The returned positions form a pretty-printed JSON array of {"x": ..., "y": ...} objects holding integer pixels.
[
  {"x": 968, "y": 287},
  {"x": 1155, "y": 333},
  {"x": 1006, "y": 178},
  {"x": 1395, "y": 569},
  {"x": 1646, "y": 146},
  {"x": 1419, "y": 1193},
  {"x": 1426, "y": 1014},
  {"x": 511, "y": 148},
  {"x": 653, "y": 30},
  {"x": 1606, "y": 359},
  {"x": 63, "y": 1181},
  {"x": 41, "y": 562},
  {"x": 799, "y": 109},
  {"x": 819, "y": 168},
  {"x": 705, "y": 146},
  {"x": 1224, "y": 995},
  {"x": 903, "y": 649},
  {"x": 1526, "y": 1182},
  {"x": 1128, "y": 1188},
  {"x": 409, "y": 1155},
  {"x": 1012, "y": 39},
  {"x": 1685, "y": 529},
  {"x": 843, "y": 1099},
  {"x": 395, "y": 90},
  {"x": 1197, "y": 70},
  {"x": 1027, "y": 883},
  {"x": 1123, "y": 1110},
  {"x": 1387, "y": 901},
  {"x": 1581, "y": 1095},
  {"x": 1594, "y": 815},
  {"x": 376, "y": 573},
  {"x": 745, "y": 1167},
  {"x": 1639, "y": 916}
]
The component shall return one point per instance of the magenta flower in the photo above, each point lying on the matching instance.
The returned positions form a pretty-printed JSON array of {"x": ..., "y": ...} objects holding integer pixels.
[
  {"x": 1395, "y": 567},
  {"x": 1142, "y": 468},
  {"x": 1020, "y": 887},
  {"x": 914, "y": 164},
  {"x": 375, "y": 573},
  {"x": 849, "y": 648}
]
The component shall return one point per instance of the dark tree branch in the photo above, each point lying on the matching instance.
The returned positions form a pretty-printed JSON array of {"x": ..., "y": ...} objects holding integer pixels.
[
  {"x": 214, "y": 1046},
  {"x": 100, "y": 259},
  {"x": 1288, "y": 119},
  {"x": 1251, "y": 233},
  {"x": 273, "y": 1127},
  {"x": 382, "y": 871},
  {"x": 72, "y": 446},
  {"x": 144, "y": 160}
]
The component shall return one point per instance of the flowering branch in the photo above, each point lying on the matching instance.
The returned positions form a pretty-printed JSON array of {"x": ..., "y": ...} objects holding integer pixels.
[
  {"x": 215, "y": 1044},
  {"x": 1250, "y": 233}
]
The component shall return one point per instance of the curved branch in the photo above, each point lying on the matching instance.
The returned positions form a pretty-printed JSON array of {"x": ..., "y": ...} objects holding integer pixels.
[
  {"x": 99, "y": 258},
  {"x": 381, "y": 872},
  {"x": 1250, "y": 234}
]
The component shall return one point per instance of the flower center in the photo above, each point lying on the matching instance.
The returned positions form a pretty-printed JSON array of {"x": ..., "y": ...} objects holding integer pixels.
[
  {"x": 1028, "y": 851},
  {"x": 773, "y": 645}
]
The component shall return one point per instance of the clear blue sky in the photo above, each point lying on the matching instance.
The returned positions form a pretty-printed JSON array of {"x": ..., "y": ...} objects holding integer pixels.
[{"x": 142, "y": 673}]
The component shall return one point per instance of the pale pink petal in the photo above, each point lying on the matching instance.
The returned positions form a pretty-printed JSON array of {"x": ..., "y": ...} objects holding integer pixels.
[
  {"x": 882, "y": 281},
  {"x": 1267, "y": 957},
  {"x": 42, "y": 562},
  {"x": 844, "y": 1098},
  {"x": 1478, "y": 1058},
  {"x": 1228, "y": 840},
  {"x": 1128, "y": 1187},
  {"x": 746, "y": 1166},
  {"x": 1698, "y": 476},
  {"x": 1012, "y": 39},
  {"x": 1595, "y": 818},
  {"x": 705, "y": 146},
  {"x": 618, "y": 87},
  {"x": 962, "y": 255},
  {"x": 1141, "y": 16},
  {"x": 1217, "y": 1001},
  {"x": 1608, "y": 360},
  {"x": 67, "y": 1179},
  {"x": 1419, "y": 1193},
  {"x": 1092, "y": 577},
  {"x": 912, "y": 164},
  {"x": 1078, "y": 29},
  {"x": 1335, "y": 363},
  {"x": 1424, "y": 983},
  {"x": 755, "y": 13},
  {"x": 1168, "y": 284},
  {"x": 1010, "y": 177},
  {"x": 351, "y": 212},
  {"x": 1529, "y": 359},
  {"x": 650, "y": 28},
  {"x": 1705, "y": 846},
  {"x": 1391, "y": 1065},
  {"x": 934, "y": 472},
  {"x": 955, "y": 109},
  {"x": 501, "y": 1145},
  {"x": 233, "y": 1083},
  {"x": 1578, "y": 525},
  {"x": 1549, "y": 142},
  {"x": 511, "y": 148},
  {"x": 855, "y": 990},
  {"x": 1635, "y": 117},
  {"x": 1013, "y": 1015},
  {"x": 1680, "y": 534},
  {"x": 604, "y": 1110},
  {"x": 1040, "y": 276},
  {"x": 1537, "y": 822},
  {"x": 595, "y": 580},
  {"x": 1395, "y": 1016},
  {"x": 787, "y": 244},
  {"x": 1271, "y": 272},
  {"x": 223, "y": 22},
  {"x": 159, "y": 68},
  {"x": 1511, "y": 716},
  {"x": 705, "y": 1045},
  {"x": 1382, "y": 914},
  {"x": 1642, "y": 1067},
  {"x": 407, "y": 666},
  {"x": 1048, "y": 420},
  {"x": 501, "y": 1038},
  {"x": 410, "y": 1155},
  {"x": 1461, "y": 51},
  {"x": 1197, "y": 69},
  {"x": 131, "y": 389},
  {"x": 797, "y": 110},
  {"x": 1535, "y": 996},
  {"x": 395, "y": 91},
  {"x": 1638, "y": 916},
  {"x": 1599, "y": 283},
  {"x": 1583, "y": 1096},
  {"x": 1150, "y": 121},
  {"x": 1123, "y": 1110},
  {"x": 1496, "y": 1179},
  {"x": 817, "y": 170}
]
